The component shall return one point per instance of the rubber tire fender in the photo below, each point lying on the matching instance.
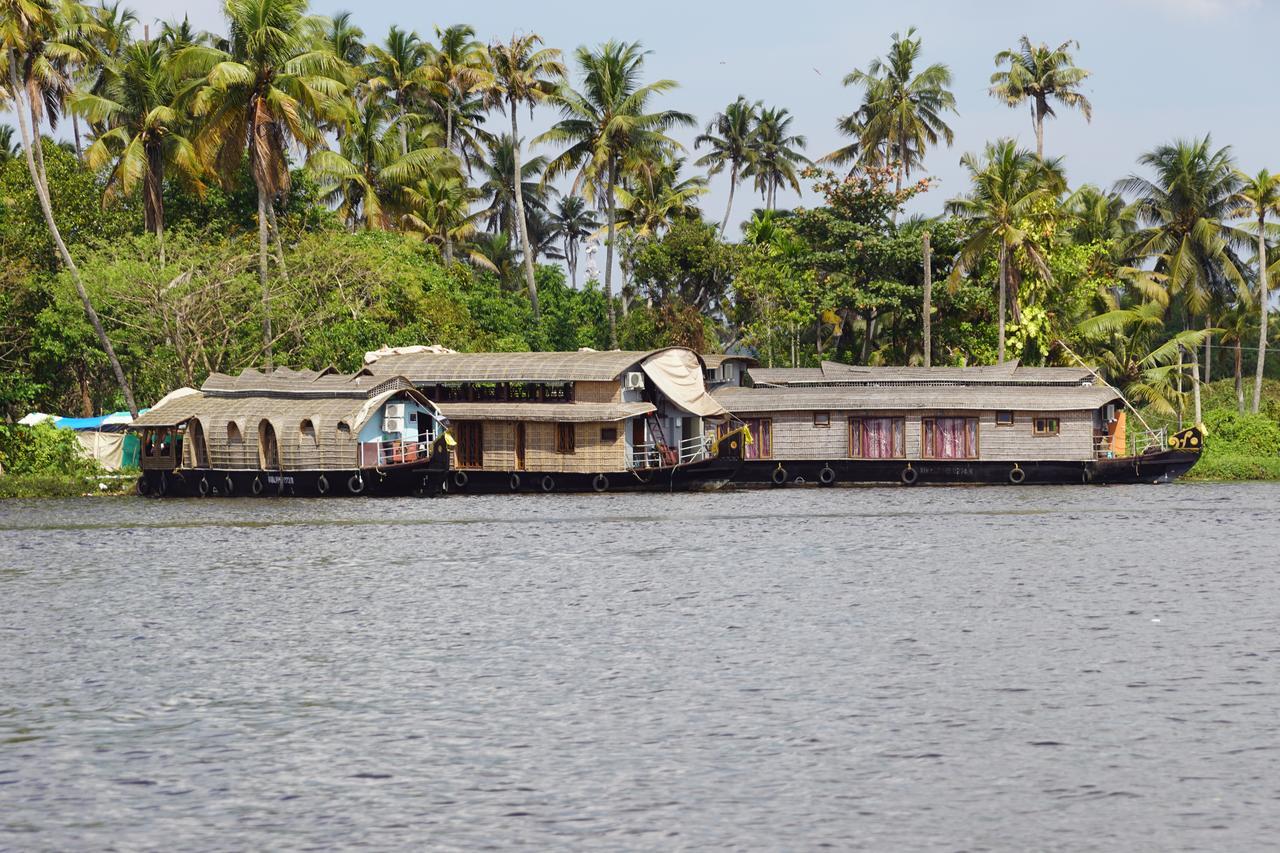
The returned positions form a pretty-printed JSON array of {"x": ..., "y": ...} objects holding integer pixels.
[
  {"x": 514, "y": 482},
  {"x": 600, "y": 483},
  {"x": 163, "y": 486},
  {"x": 322, "y": 485},
  {"x": 355, "y": 484},
  {"x": 548, "y": 483},
  {"x": 256, "y": 486},
  {"x": 230, "y": 485},
  {"x": 1017, "y": 475},
  {"x": 460, "y": 479},
  {"x": 203, "y": 487},
  {"x": 909, "y": 476},
  {"x": 827, "y": 476},
  {"x": 779, "y": 475},
  {"x": 143, "y": 488}
]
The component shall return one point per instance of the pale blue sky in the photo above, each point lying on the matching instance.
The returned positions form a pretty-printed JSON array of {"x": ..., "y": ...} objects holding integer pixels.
[{"x": 1161, "y": 68}]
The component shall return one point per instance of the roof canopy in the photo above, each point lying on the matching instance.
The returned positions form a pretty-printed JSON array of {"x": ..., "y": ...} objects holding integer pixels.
[
  {"x": 678, "y": 374},
  {"x": 1047, "y": 398},
  {"x": 835, "y": 373},
  {"x": 545, "y": 412},
  {"x": 425, "y": 368}
]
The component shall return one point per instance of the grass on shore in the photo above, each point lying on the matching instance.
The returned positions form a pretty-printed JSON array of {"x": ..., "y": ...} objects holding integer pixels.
[{"x": 63, "y": 485}]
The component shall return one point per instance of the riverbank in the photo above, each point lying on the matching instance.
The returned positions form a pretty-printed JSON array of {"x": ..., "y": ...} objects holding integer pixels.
[{"x": 65, "y": 486}]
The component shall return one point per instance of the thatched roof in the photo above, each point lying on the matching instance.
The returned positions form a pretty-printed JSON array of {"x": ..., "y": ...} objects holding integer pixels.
[
  {"x": 917, "y": 397},
  {"x": 430, "y": 368},
  {"x": 249, "y": 409},
  {"x": 558, "y": 412},
  {"x": 714, "y": 360},
  {"x": 835, "y": 373},
  {"x": 298, "y": 383}
]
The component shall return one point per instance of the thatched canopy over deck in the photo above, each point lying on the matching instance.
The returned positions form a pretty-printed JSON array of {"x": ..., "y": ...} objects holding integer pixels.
[
  {"x": 426, "y": 368},
  {"x": 920, "y": 396},
  {"x": 834, "y": 373},
  {"x": 545, "y": 412}
]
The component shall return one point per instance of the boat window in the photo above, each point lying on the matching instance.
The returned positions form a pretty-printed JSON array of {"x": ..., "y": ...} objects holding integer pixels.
[
  {"x": 1046, "y": 426},
  {"x": 949, "y": 438},
  {"x": 1004, "y": 418},
  {"x": 307, "y": 430},
  {"x": 344, "y": 430},
  {"x": 565, "y": 438},
  {"x": 822, "y": 419},
  {"x": 233, "y": 433},
  {"x": 608, "y": 435},
  {"x": 877, "y": 438},
  {"x": 470, "y": 449}
]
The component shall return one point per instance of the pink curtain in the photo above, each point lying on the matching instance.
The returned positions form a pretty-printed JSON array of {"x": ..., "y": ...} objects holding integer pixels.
[
  {"x": 881, "y": 438},
  {"x": 955, "y": 438}
]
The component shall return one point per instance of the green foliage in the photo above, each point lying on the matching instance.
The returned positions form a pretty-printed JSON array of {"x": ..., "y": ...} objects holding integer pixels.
[
  {"x": 1256, "y": 435},
  {"x": 43, "y": 449}
]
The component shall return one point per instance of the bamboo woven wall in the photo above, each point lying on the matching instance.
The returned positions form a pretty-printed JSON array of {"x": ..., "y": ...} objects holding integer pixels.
[
  {"x": 795, "y": 436},
  {"x": 591, "y": 453},
  {"x": 597, "y": 392}
]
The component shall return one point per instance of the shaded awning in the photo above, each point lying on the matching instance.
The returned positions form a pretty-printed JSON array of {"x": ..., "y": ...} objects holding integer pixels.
[
  {"x": 678, "y": 374},
  {"x": 544, "y": 412}
]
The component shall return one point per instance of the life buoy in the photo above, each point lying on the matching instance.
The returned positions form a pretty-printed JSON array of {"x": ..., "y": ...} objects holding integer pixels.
[
  {"x": 548, "y": 484},
  {"x": 229, "y": 485},
  {"x": 143, "y": 487},
  {"x": 203, "y": 487},
  {"x": 515, "y": 482},
  {"x": 779, "y": 475},
  {"x": 163, "y": 485},
  {"x": 826, "y": 476},
  {"x": 909, "y": 476},
  {"x": 355, "y": 485},
  {"x": 1017, "y": 475},
  {"x": 600, "y": 483},
  {"x": 460, "y": 479},
  {"x": 322, "y": 484},
  {"x": 256, "y": 486}
]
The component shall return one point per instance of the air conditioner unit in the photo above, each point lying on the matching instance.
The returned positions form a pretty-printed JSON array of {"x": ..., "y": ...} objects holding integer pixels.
[
  {"x": 633, "y": 380},
  {"x": 393, "y": 425},
  {"x": 394, "y": 410}
]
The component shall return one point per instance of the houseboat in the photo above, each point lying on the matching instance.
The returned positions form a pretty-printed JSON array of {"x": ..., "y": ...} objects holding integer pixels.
[
  {"x": 289, "y": 432},
  {"x": 574, "y": 421},
  {"x": 838, "y": 424}
]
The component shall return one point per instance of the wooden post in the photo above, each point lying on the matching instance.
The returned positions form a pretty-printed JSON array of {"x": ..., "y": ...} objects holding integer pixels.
[{"x": 928, "y": 302}]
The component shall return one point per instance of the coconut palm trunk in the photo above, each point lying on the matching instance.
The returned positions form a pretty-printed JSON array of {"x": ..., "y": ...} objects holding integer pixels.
[
  {"x": 733, "y": 183},
  {"x": 46, "y": 208},
  {"x": 448, "y": 146},
  {"x": 1038, "y": 109},
  {"x": 153, "y": 198},
  {"x": 521, "y": 225},
  {"x": 262, "y": 277},
  {"x": 1003, "y": 297},
  {"x": 611, "y": 213},
  {"x": 1239, "y": 376},
  {"x": 1263, "y": 303}
]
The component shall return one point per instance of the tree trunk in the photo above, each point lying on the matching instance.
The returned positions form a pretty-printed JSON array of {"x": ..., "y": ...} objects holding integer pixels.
[
  {"x": 46, "y": 208},
  {"x": 571, "y": 258},
  {"x": 928, "y": 302},
  {"x": 448, "y": 145},
  {"x": 275, "y": 239},
  {"x": 1038, "y": 118},
  {"x": 610, "y": 214},
  {"x": 1003, "y": 300},
  {"x": 1195, "y": 383},
  {"x": 86, "y": 399},
  {"x": 1208, "y": 352},
  {"x": 521, "y": 225},
  {"x": 262, "y": 277},
  {"x": 868, "y": 335},
  {"x": 404, "y": 129},
  {"x": 1239, "y": 377},
  {"x": 152, "y": 195},
  {"x": 733, "y": 182},
  {"x": 1263, "y": 305},
  {"x": 75, "y": 131}
]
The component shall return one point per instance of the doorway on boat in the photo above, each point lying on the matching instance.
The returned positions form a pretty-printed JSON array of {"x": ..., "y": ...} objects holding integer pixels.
[
  {"x": 199, "y": 448},
  {"x": 520, "y": 445},
  {"x": 470, "y": 448},
  {"x": 268, "y": 447}
]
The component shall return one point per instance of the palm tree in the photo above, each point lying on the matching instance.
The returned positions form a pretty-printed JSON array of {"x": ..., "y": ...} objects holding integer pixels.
[
  {"x": 400, "y": 66},
  {"x": 270, "y": 86},
  {"x": 902, "y": 111},
  {"x": 731, "y": 135},
  {"x": 655, "y": 196},
  {"x": 8, "y": 148},
  {"x": 498, "y": 187},
  {"x": 175, "y": 35},
  {"x": 1258, "y": 198},
  {"x": 440, "y": 210},
  {"x": 1009, "y": 189},
  {"x": 27, "y": 28},
  {"x": 1182, "y": 213},
  {"x": 572, "y": 221},
  {"x": 523, "y": 74},
  {"x": 1041, "y": 75},
  {"x": 604, "y": 121},
  {"x": 776, "y": 157},
  {"x": 139, "y": 133},
  {"x": 367, "y": 179},
  {"x": 344, "y": 39}
]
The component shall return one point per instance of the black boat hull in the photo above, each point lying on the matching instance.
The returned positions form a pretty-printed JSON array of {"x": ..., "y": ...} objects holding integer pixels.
[{"x": 1160, "y": 467}]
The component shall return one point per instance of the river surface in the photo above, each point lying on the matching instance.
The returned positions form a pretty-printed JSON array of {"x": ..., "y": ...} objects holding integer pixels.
[{"x": 1064, "y": 668}]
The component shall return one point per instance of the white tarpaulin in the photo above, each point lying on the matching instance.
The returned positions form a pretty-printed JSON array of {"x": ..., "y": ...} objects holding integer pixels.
[
  {"x": 106, "y": 447},
  {"x": 678, "y": 374},
  {"x": 434, "y": 349}
]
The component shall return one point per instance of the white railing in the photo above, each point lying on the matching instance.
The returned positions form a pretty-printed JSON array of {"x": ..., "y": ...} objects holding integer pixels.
[
  {"x": 1138, "y": 443},
  {"x": 657, "y": 455},
  {"x": 396, "y": 452}
]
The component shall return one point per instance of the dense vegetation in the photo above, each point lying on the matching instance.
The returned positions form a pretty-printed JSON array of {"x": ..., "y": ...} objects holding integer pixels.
[{"x": 291, "y": 191}]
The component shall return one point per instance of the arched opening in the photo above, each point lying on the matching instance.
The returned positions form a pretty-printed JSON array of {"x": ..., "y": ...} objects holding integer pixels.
[
  {"x": 196, "y": 441},
  {"x": 233, "y": 433},
  {"x": 307, "y": 433},
  {"x": 268, "y": 447}
]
